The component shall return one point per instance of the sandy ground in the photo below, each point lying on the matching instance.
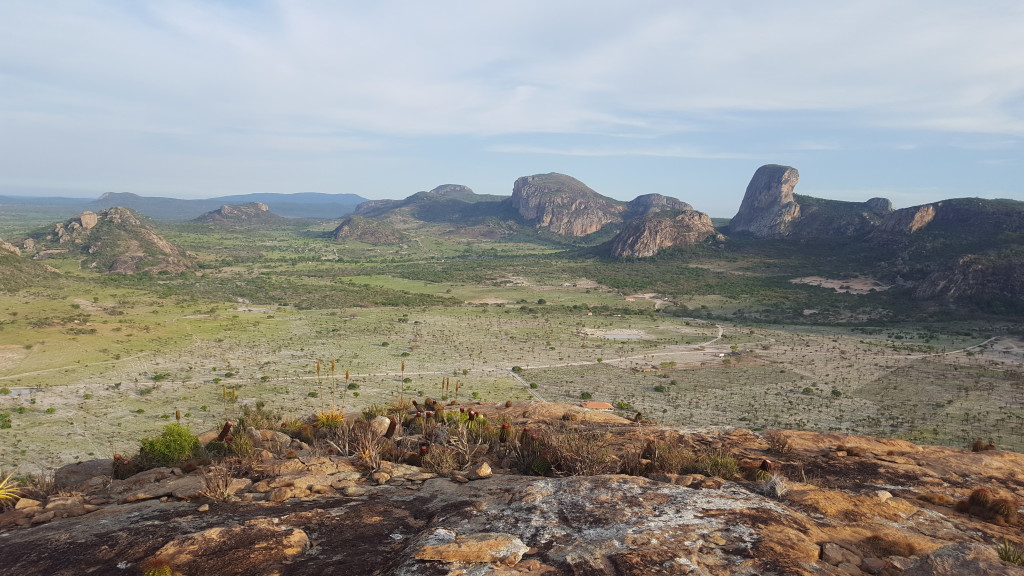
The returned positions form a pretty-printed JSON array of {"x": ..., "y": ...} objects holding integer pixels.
[
  {"x": 849, "y": 285},
  {"x": 618, "y": 333}
]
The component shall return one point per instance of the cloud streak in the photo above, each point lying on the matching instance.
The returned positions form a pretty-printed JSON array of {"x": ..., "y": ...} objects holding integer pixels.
[{"x": 294, "y": 79}]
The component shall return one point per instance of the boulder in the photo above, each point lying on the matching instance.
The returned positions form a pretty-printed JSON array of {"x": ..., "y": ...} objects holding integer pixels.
[
  {"x": 479, "y": 548},
  {"x": 74, "y": 475}
]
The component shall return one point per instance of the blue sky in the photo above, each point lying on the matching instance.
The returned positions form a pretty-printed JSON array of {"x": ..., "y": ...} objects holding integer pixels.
[{"x": 915, "y": 101}]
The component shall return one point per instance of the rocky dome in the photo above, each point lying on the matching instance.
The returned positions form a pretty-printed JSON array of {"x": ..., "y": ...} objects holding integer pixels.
[
  {"x": 563, "y": 205},
  {"x": 768, "y": 208},
  {"x": 651, "y": 203},
  {"x": 646, "y": 236}
]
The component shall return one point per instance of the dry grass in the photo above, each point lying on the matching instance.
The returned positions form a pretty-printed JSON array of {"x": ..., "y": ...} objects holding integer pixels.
[
  {"x": 937, "y": 499},
  {"x": 217, "y": 480},
  {"x": 883, "y": 546}
]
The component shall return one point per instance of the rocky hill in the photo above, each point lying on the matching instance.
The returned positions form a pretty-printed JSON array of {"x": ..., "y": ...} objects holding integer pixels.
[
  {"x": 117, "y": 240},
  {"x": 770, "y": 209},
  {"x": 251, "y": 212},
  {"x": 366, "y": 230},
  {"x": 564, "y": 205},
  {"x": 646, "y": 236},
  {"x": 448, "y": 203},
  {"x": 652, "y": 203},
  {"x": 17, "y": 272},
  {"x": 530, "y": 488}
]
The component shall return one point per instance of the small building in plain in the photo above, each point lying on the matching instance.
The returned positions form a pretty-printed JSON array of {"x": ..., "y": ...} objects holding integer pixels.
[{"x": 597, "y": 406}]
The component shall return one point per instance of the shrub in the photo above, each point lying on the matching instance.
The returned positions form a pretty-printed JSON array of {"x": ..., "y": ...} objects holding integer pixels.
[
  {"x": 258, "y": 416},
  {"x": 374, "y": 410},
  {"x": 979, "y": 446},
  {"x": 778, "y": 442},
  {"x": 5, "y": 421},
  {"x": 716, "y": 463},
  {"x": 586, "y": 395},
  {"x": 175, "y": 445},
  {"x": 667, "y": 457},
  {"x": 441, "y": 460}
]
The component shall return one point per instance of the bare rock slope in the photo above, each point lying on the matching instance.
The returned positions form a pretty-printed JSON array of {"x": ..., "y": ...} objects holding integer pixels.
[
  {"x": 799, "y": 503},
  {"x": 648, "y": 235},
  {"x": 563, "y": 204},
  {"x": 768, "y": 208}
]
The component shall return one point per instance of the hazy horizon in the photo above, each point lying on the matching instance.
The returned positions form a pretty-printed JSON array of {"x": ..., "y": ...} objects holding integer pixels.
[{"x": 916, "y": 102}]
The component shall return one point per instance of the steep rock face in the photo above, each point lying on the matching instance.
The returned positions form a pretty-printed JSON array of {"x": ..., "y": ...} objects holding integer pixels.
[
  {"x": 646, "y": 236},
  {"x": 651, "y": 203},
  {"x": 563, "y": 205},
  {"x": 768, "y": 208},
  {"x": 367, "y": 230},
  {"x": 982, "y": 279},
  {"x": 909, "y": 220},
  {"x": 823, "y": 218},
  {"x": 237, "y": 213},
  {"x": 964, "y": 218},
  {"x": 115, "y": 240}
]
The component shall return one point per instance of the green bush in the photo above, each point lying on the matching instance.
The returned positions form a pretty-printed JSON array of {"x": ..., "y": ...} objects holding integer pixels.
[{"x": 175, "y": 445}]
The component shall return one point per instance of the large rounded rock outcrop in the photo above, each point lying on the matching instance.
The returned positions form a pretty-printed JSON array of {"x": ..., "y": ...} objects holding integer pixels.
[
  {"x": 563, "y": 205},
  {"x": 768, "y": 208},
  {"x": 646, "y": 236}
]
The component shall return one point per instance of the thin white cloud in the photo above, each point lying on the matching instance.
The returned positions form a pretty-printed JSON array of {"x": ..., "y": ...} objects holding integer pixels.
[
  {"x": 667, "y": 152},
  {"x": 88, "y": 85}
]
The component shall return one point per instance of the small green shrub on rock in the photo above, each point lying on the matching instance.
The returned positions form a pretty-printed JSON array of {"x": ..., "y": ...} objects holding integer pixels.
[{"x": 174, "y": 446}]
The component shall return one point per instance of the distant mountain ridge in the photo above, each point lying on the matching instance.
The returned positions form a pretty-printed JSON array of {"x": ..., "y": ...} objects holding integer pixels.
[{"x": 299, "y": 205}]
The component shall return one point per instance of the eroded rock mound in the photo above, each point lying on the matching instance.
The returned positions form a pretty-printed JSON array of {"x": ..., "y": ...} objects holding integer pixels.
[
  {"x": 768, "y": 208},
  {"x": 238, "y": 213},
  {"x": 646, "y": 236},
  {"x": 651, "y": 203},
  {"x": 118, "y": 241},
  {"x": 563, "y": 205}
]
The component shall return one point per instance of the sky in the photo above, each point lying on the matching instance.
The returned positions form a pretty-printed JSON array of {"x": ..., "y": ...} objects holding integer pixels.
[{"x": 915, "y": 101}]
